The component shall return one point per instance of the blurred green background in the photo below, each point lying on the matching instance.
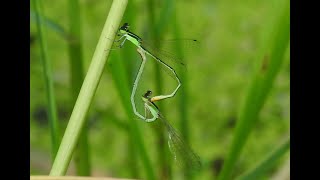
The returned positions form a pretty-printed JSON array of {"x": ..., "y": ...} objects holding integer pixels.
[{"x": 206, "y": 108}]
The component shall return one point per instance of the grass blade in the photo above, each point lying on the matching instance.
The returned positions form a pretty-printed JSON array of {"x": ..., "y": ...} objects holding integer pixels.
[
  {"x": 51, "y": 25},
  {"x": 53, "y": 121},
  {"x": 156, "y": 32},
  {"x": 267, "y": 163},
  {"x": 183, "y": 97},
  {"x": 271, "y": 56}
]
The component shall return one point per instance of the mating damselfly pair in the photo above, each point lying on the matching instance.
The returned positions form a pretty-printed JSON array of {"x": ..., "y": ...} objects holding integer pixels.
[{"x": 144, "y": 106}]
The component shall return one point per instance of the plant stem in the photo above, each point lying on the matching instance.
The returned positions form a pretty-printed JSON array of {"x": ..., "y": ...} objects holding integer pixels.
[
  {"x": 54, "y": 126},
  {"x": 82, "y": 161},
  {"x": 90, "y": 84}
]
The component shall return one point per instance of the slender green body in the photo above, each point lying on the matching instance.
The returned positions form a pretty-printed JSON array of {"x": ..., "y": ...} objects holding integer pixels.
[
  {"x": 125, "y": 35},
  {"x": 135, "y": 85}
]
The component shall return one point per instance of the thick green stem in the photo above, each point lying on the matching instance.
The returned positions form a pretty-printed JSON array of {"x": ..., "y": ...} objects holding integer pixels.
[
  {"x": 82, "y": 161},
  {"x": 90, "y": 84}
]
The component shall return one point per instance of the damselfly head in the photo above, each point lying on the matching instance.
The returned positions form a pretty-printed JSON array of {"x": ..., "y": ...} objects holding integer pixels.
[
  {"x": 125, "y": 27},
  {"x": 147, "y": 94}
]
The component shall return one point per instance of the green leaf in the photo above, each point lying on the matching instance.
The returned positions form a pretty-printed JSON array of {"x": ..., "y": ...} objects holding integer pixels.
[{"x": 270, "y": 59}]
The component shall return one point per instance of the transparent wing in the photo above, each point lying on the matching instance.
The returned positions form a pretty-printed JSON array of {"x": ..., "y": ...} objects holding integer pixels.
[
  {"x": 165, "y": 53},
  {"x": 182, "y": 153}
]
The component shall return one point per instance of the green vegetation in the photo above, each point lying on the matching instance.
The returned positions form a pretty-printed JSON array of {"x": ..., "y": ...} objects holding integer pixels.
[{"x": 232, "y": 108}]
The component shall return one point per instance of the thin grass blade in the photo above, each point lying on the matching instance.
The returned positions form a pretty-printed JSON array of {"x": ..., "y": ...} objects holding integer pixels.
[
  {"x": 53, "y": 120},
  {"x": 271, "y": 57}
]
